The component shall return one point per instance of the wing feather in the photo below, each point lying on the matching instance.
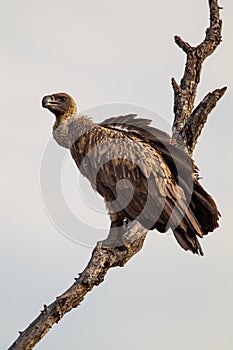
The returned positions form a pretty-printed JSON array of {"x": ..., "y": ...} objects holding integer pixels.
[
  {"x": 112, "y": 156},
  {"x": 142, "y": 176}
]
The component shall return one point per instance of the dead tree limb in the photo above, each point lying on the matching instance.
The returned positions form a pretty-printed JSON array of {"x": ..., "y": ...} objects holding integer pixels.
[
  {"x": 195, "y": 123},
  {"x": 101, "y": 261},
  {"x": 185, "y": 92},
  {"x": 187, "y": 127}
]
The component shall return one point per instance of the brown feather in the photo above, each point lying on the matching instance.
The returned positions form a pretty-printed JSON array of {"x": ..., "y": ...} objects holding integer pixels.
[
  {"x": 138, "y": 170},
  {"x": 122, "y": 152}
]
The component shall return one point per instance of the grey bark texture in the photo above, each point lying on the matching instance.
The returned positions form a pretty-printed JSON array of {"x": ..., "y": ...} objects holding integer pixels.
[{"x": 187, "y": 126}]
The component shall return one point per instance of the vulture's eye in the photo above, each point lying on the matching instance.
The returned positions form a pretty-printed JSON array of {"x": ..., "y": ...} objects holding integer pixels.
[{"x": 63, "y": 98}]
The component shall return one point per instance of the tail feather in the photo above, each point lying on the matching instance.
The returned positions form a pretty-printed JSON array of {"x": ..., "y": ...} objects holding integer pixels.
[
  {"x": 201, "y": 218},
  {"x": 205, "y": 209},
  {"x": 188, "y": 241}
]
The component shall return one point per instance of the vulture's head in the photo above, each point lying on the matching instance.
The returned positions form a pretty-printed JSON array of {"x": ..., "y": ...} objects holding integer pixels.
[{"x": 60, "y": 104}]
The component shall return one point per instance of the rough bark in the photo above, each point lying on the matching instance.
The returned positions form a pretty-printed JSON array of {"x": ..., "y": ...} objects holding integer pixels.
[
  {"x": 195, "y": 123},
  {"x": 185, "y": 92},
  {"x": 187, "y": 126}
]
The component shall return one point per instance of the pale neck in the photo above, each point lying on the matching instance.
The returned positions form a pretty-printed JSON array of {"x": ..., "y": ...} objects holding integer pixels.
[{"x": 67, "y": 130}]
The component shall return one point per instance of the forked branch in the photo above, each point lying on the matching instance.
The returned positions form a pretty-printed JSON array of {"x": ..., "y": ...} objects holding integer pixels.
[
  {"x": 187, "y": 127},
  {"x": 185, "y": 92}
]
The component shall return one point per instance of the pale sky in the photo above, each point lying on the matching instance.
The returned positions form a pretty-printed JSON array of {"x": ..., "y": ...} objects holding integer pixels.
[{"x": 103, "y": 52}]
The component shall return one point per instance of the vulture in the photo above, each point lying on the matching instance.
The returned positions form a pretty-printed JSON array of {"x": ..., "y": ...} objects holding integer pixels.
[{"x": 139, "y": 171}]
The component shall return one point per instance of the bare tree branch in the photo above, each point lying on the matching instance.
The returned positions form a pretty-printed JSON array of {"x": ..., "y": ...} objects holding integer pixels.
[
  {"x": 102, "y": 259},
  {"x": 185, "y": 93},
  {"x": 197, "y": 119},
  {"x": 187, "y": 127}
]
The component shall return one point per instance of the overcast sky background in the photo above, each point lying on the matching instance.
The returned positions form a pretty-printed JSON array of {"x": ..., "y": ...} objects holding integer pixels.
[{"x": 102, "y": 52}]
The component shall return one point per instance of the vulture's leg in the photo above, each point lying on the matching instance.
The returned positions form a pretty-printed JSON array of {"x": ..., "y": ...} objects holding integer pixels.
[{"x": 115, "y": 236}]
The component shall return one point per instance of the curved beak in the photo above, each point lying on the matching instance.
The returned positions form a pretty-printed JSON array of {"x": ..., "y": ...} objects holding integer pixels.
[{"x": 48, "y": 100}]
